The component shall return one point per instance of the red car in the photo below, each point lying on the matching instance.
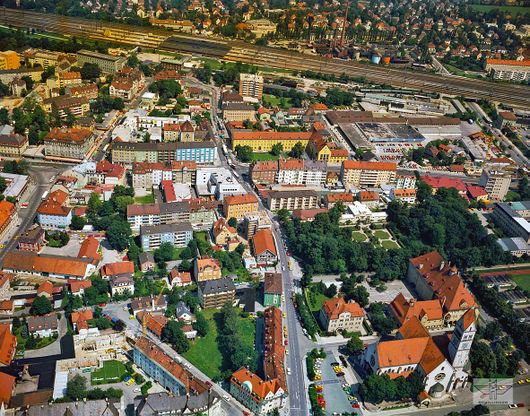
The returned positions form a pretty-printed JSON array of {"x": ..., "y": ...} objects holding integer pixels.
[
  {"x": 286, "y": 342},
  {"x": 102, "y": 305}
]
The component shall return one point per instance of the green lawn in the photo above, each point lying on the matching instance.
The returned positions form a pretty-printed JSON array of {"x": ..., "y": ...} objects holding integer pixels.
[
  {"x": 358, "y": 236},
  {"x": 388, "y": 244},
  {"x": 111, "y": 372},
  {"x": 263, "y": 156},
  {"x": 147, "y": 199},
  {"x": 508, "y": 9},
  {"x": 315, "y": 300},
  {"x": 381, "y": 234},
  {"x": 275, "y": 101},
  {"x": 204, "y": 352},
  {"x": 522, "y": 280}
]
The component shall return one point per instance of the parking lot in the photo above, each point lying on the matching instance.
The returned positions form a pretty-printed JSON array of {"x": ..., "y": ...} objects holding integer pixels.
[
  {"x": 393, "y": 288},
  {"x": 336, "y": 398}
]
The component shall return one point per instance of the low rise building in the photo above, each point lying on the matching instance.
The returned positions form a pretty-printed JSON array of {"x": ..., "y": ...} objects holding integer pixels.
[
  {"x": 13, "y": 145},
  {"x": 301, "y": 172},
  {"x": 291, "y": 200},
  {"x": 180, "y": 132},
  {"x": 403, "y": 195},
  {"x": 513, "y": 218},
  {"x": 264, "y": 248},
  {"x": 64, "y": 105},
  {"x": 88, "y": 91},
  {"x": 107, "y": 63},
  {"x": 239, "y": 112},
  {"x": 508, "y": 69},
  {"x": 338, "y": 315},
  {"x": 8, "y": 344},
  {"x": 215, "y": 293},
  {"x": 272, "y": 289},
  {"x": 206, "y": 268},
  {"x": 121, "y": 284},
  {"x": 429, "y": 312},
  {"x": 68, "y": 143},
  {"x": 69, "y": 78},
  {"x": 8, "y": 218},
  {"x": 43, "y": 326},
  {"x": 264, "y": 172},
  {"x": 263, "y": 141},
  {"x": 237, "y": 206},
  {"x": 53, "y": 213},
  {"x": 178, "y": 235},
  {"x": 32, "y": 239},
  {"x": 139, "y": 215}
]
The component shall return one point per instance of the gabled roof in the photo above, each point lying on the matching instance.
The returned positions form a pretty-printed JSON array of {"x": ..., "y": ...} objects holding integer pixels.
[
  {"x": 81, "y": 317},
  {"x": 404, "y": 309},
  {"x": 221, "y": 225},
  {"x": 45, "y": 288},
  {"x": 45, "y": 263},
  {"x": 240, "y": 199},
  {"x": 273, "y": 283},
  {"x": 7, "y": 386},
  {"x": 355, "y": 164},
  {"x": 254, "y": 383},
  {"x": 334, "y": 307},
  {"x": 120, "y": 267},
  {"x": 8, "y": 344},
  {"x": 77, "y": 285},
  {"x": 89, "y": 249},
  {"x": 263, "y": 241}
]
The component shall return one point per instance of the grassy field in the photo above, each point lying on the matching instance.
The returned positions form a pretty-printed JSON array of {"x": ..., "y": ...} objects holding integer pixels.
[
  {"x": 111, "y": 372},
  {"x": 315, "y": 301},
  {"x": 204, "y": 352},
  {"x": 484, "y": 8},
  {"x": 263, "y": 156},
  {"x": 522, "y": 280},
  {"x": 358, "y": 236},
  {"x": 382, "y": 235},
  {"x": 388, "y": 244},
  {"x": 147, "y": 199},
  {"x": 275, "y": 101}
]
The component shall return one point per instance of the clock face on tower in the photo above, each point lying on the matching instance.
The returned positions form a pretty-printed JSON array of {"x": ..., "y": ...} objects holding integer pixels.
[{"x": 439, "y": 377}]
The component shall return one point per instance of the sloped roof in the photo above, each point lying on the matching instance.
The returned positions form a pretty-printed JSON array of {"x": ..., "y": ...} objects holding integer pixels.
[
  {"x": 259, "y": 387},
  {"x": 336, "y": 306},
  {"x": 263, "y": 241},
  {"x": 273, "y": 283},
  {"x": 404, "y": 309},
  {"x": 8, "y": 344},
  {"x": 120, "y": 267}
]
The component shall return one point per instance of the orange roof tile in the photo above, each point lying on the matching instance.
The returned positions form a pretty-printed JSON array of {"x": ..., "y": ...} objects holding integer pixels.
[
  {"x": 89, "y": 248},
  {"x": 263, "y": 241},
  {"x": 240, "y": 199},
  {"x": 513, "y": 62},
  {"x": 208, "y": 262},
  {"x": 336, "y": 306},
  {"x": 291, "y": 164},
  {"x": 120, "y": 267},
  {"x": 55, "y": 204},
  {"x": 155, "y": 323},
  {"x": 42, "y": 263},
  {"x": 81, "y": 317},
  {"x": 74, "y": 135},
  {"x": 222, "y": 224},
  {"x": 8, "y": 344},
  {"x": 7, "y": 386},
  {"x": 45, "y": 287},
  {"x": 260, "y": 387},
  {"x": 77, "y": 285},
  {"x": 7, "y": 209},
  {"x": 404, "y": 309},
  {"x": 355, "y": 164}
]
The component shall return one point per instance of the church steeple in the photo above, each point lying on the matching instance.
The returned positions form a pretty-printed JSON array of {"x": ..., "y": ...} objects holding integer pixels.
[{"x": 462, "y": 338}]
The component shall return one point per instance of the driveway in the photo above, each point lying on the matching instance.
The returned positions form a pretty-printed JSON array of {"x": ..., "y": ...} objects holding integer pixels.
[{"x": 393, "y": 288}]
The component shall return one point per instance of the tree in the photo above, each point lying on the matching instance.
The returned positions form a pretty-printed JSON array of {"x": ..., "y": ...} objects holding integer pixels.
[
  {"x": 483, "y": 360},
  {"x": 29, "y": 82},
  {"x": 277, "y": 149},
  {"x": 41, "y": 306},
  {"x": 76, "y": 388},
  {"x": 492, "y": 330},
  {"x": 164, "y": 253},
  {"x": 77, "y": 222},
  {"x": 173, "y": 334},
  {"x": 232, "y": 222},
  {"x": 118, "y": 234},
  {"x": 201, "y": 324},
  {"x": 3, "y": 184},
  {"x": 18, "y": 167},
  {"x": 204, "y": 74},
  {"x": 355, "y": 344},
  {"x": 90, "y": 71},
  {"x": 244, "y": 153},
  {"x": 297, "y": 151}
]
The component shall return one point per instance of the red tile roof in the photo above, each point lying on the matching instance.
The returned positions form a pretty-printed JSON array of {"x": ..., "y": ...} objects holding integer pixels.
[
  {"x": 444, "y": 182},
  {"x": 511, "y": 62},
  {"x": 55, "y": 204},
  {"x": 77, "y": 285},
  {"x": 45, "y": 288},
  {"x": 404, "y": 309},
  {"x": 89, "y": 249},
  {"x": 7, "y": 386},
  {"x": 260, "y": 387},
  {"x": 355, "y": 164},
  {"x": 263, "y": 241},
  {"x": 240, "y": 199},
  {"x": 81, "y": 317},
  {"x": 114, "y": 269},
  {"x": 336, "y": 306},
  {"x": 8, "y": 344}
]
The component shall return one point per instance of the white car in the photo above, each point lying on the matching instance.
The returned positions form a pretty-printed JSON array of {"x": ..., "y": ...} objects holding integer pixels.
[{"x": 226, "y": 397}]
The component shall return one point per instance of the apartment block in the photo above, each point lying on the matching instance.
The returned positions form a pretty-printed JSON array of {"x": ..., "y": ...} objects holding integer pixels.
[
  {"x": 215, "y": 293},
  {"x": 262, "y": 141},
  {"x": 69, "y": 78},
  {"x": 264, "y": 172},
  {"x": 239, "y": 112},
  {"x": 53, "y": 213},
  {"x": 164, "y": 152},
  {"x": 251, "y": 85},
  {"x": 9, "y": 60},
  {"x": 338, "y": 315},
  {"x": 107, "y": 63},
  {"x": 367, "y": 174},
  {"x": 509, "y": 69},
  {"x": 13, "y": 145},
  {"x": 291, "y": 200},
  {"x": 177, "y": 234},
  {"x": 158, "y": 213},
  {"x": 145, "y": 175},
  {"x": 237, "y": 206},
  {"x": 496, "y": 183},
  {"x": 68, "y": 143},
  {"x": 206, "y": 268},
  {"x": 64, "y": 105},
  {"x": 301, "y": 172}
]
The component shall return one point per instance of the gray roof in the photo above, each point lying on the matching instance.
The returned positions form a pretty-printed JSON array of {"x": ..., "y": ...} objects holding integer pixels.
[
  {"x": 146, "y": 257},
  {"x": 236, "y": 106},
  {"x": 88, "y": 408},
  {"x": 293, "y": 194},
  {"x": 98, "y": 55},
  {"x": 44, "y": 322},
  {"x": 162, "y": 403},
  {"x": 181, "y": 309},
  {"x": 211, "y": 287},
  {"x": 12, "y": 139},
  {"x": 166, "y": 228}
]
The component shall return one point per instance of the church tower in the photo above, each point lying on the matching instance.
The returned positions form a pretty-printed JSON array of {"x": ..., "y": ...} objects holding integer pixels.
[{"x": 462, "y": 338}]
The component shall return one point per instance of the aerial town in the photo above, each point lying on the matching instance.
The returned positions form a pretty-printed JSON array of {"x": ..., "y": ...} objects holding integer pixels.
[{"x": 270, "y": 208}]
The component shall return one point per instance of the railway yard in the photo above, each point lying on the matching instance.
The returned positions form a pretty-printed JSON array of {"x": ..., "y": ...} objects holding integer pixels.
[{"x": 233, "y": 50}]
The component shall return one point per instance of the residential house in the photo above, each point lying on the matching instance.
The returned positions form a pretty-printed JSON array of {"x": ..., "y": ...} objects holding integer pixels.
[
  {"x": 120, "y": 285},
  {"x": 31, "y": 239},
  {"x": 237, "y": 206},
  {"x": 215, "y": 293},
  {"x": 223, "y": 234},
  {"x": 77, "y": 287},
  {"x": 43, "y": 326},
  {"x": 338, "y": 315},
  {"x": 272, "y": 289},
  {"x": 80, "y": 319},
  {"x": 119, "y": 268},
  {"x": 53, "y": 213},
  {"x": 153, "y": 323},
  {"x": 147, "y": 262},
  {"x": 149, "y": 304},
  {"x": 206, "y": 268},
  {"x": 179, "y": 279},
  {"x": 183, "y": 313},
  {"x": 264, "y": 248},
  {"x": 8, "y": 219}
]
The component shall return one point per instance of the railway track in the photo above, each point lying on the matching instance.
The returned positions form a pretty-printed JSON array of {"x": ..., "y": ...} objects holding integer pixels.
[{"x": 234, "y": 50}]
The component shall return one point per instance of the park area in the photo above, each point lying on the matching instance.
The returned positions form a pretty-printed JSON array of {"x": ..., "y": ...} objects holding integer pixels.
[
  {"x": 112, "y": 371},
  {"x": 379, "y": 238},
  {"x": 522, "y": 280},
  {"x": 204, "y": 352}
]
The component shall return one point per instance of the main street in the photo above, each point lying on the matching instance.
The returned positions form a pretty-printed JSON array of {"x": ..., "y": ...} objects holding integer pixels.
[{"x": 41, "y": 176}]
